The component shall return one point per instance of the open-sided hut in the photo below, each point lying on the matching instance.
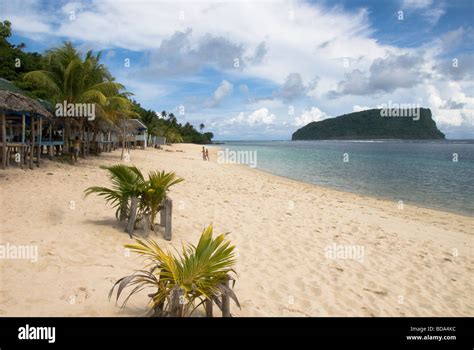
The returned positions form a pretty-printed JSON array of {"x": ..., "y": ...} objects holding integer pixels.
[
  {"x": 21, "y": 123},
  {"x": 135, "y": 132}
]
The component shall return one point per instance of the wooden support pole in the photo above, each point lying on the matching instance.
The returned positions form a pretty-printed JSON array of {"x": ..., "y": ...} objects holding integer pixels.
[
  {"x": 50, "y": 140},
  {"x": 40, "y": 135},
  {"x": 226, "y": 302},
  {"x": 23, "y": 148},
  {"x": 4, "y": 140},
  {"x": 32, "y": 146},
  {"x": 133, "y": 216},
  {"x": 168, "y": 216}
]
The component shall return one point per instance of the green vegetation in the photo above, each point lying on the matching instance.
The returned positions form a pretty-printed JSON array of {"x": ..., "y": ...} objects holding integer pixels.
[
  {"x": 66, "y": 76},
  {"x": 14, "y": 62},
  {"x": 128, "y": 182},
  {"x": 371, "y": 125},
  {"x": 185, "y": 281},
  {"x": 63, "y": 74},
  {"x": 165, "y": 124}
]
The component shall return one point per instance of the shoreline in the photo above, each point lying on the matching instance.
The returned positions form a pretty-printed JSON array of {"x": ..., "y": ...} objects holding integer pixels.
[
  {"x": 281, "y": 227},
  {"x": 378, "y": 198}
]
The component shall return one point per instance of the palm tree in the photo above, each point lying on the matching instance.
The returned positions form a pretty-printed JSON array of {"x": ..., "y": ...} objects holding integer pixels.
[
  {"x": 150, "y": 119},
  {"x": 201, "y": 127},
  {"x": 185, "y": 281},
  {"x": 172, "y": 119},
  {"x": 173, "y": 136},
  {"x": 154, "y": 193},
  {"x": 68, "y": 77},
  {"x": 128, "y": 182}
]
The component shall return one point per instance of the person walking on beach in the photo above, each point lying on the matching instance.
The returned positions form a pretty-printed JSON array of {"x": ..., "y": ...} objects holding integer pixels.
[
  {"x": 207, "y": 154},
  {"x": 76, "y": 148},
  {"x": 203, "y": 153}
]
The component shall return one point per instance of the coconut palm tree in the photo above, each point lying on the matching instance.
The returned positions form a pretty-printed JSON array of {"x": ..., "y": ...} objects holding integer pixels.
[
  {"x": 68, "y": 77},
  {"x": 185, "y": 281},
  {"x": 201, "y": 127},
  {"x": 173, "y": 136},
  {"x": 150, "y": 119}
]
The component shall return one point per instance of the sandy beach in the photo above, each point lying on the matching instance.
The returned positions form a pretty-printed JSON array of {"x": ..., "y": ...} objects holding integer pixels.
[{"x": 415, "y": 262}]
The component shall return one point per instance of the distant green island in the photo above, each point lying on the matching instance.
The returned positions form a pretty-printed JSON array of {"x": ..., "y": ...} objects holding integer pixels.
[{"x": 373, "y": 124}]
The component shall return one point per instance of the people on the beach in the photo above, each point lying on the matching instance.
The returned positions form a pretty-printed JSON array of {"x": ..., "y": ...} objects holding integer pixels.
[
  {"x": 203, "y": 153},
  {"x": 76, "y": 148},
  {"x": 207, "y": 154}
]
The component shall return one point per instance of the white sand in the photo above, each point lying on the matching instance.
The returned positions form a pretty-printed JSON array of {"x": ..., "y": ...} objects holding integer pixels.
[{"x": 280, "y": 227}]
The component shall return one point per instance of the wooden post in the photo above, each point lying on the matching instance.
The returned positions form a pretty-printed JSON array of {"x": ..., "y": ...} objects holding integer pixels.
[
  {"x": 168, "y": 216},
  {"x": 50, "y": 140},
  {"x": 133, "y": 215},
  {"x": 4, "y": 140},
  {"x": 40, "y": 135},
  {"x": 176, "y": 308},
  {"x": 32, "y": 146},
  {"x": 208, "y": 307},
  {"x": 23, "y": 137},
  {"x": 226, "y": 301}
]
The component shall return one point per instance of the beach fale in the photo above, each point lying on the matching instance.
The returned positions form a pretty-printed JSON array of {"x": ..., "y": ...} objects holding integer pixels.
[{"x": 20, "y": 112}]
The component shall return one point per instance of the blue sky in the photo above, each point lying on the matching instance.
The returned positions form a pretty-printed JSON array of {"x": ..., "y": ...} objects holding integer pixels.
[{"x": 260, "y": 70}]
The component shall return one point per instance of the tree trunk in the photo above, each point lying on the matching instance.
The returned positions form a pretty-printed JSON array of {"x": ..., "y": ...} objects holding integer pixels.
[{"x": 208, "y": 307}]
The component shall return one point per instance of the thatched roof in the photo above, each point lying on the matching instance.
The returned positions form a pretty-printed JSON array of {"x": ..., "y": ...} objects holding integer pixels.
[
  {"x": 12, "y": 102},
  {"x": 133, "y": 125}
]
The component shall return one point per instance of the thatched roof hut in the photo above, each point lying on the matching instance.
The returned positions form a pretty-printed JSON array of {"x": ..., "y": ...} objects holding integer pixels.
[
  {"x": 15, "y": 106},
  {"x": 15, "y": 103}
]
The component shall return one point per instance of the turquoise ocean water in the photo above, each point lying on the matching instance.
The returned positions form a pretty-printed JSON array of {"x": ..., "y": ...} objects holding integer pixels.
[{"x": 418, "y": 172}]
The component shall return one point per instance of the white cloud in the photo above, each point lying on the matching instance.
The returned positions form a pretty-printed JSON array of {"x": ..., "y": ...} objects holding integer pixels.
[
  {"x": 416, "y": 4},
  {"x": 270, "y": 46},
  {"x": 313, "y": 115},
  {"x": 224, "y": 89},
  {"x": 261, "y": 116},
  {"x": 432, "y": 11},
  {"x": 357, "y": 108}
]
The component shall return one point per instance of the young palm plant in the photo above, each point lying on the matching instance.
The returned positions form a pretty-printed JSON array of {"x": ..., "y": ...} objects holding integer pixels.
[
  {"x": 155, "y": 192},
  {"x": 185, "y": 281},
  {"x": 129, "y": 183}
]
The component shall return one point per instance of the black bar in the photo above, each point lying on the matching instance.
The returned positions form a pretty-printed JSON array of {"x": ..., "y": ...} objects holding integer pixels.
[{"x": 336, "y": 331}]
